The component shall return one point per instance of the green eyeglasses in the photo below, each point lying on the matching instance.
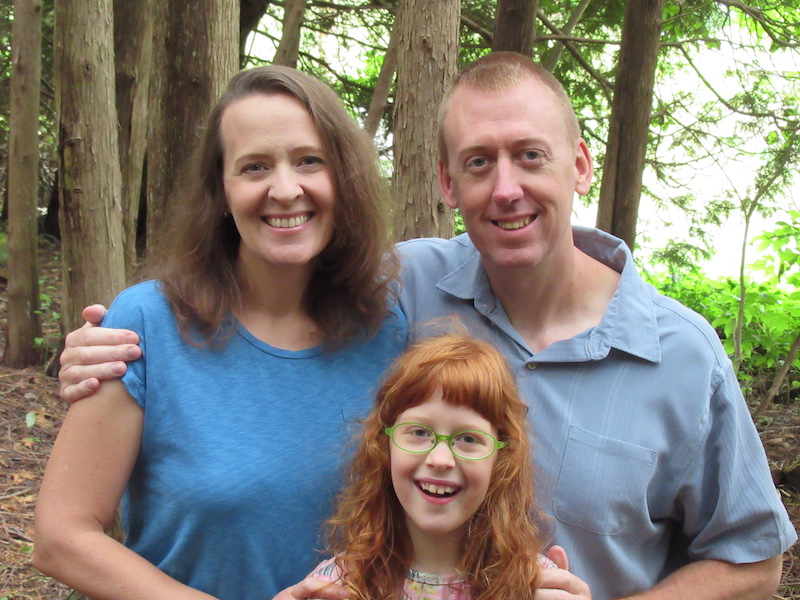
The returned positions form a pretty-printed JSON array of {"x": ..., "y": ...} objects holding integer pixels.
[{"x": 419, "y": 439}]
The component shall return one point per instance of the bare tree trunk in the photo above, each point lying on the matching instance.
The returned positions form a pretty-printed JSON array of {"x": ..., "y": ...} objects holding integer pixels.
[
  {"x": 250, "y": 13},
  {"x": 553, "y": 55},
  {"x": 427, "y": 47},
  {"x": 133, "y": 48},
  {"x": 191, "y": 69},
  {"x": 91, "y": 186},
  {"x": 24, "y": 325},
  {"x": 780, "y": 376},
  {"x": 380, "y": 96},
  {"x": 630, "y": 120},
  {"x": 514, "y": 26},
  {"x": 289, "y": 47}
]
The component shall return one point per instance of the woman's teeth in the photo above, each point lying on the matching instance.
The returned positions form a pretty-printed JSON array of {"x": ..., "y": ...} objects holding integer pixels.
[{"x": 281, "y": 222}]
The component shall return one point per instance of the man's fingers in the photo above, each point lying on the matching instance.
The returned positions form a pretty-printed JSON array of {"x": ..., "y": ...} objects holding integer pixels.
[
  {"x": 79, "y": 391},
  {"x": 311, "y": 587},
  {"x": 94, "y": 314},
  {"x": 559, "y": 556},
  {"x": 559, "y": 584},
  {"x": 89, "y": 335}
]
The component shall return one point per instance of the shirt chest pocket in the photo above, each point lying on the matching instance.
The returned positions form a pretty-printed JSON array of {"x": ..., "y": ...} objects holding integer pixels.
[{"x": 602, "y": 484}]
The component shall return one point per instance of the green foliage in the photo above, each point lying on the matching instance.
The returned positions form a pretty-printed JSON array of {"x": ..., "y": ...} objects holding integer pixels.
[{"x": 771, "y": 318}]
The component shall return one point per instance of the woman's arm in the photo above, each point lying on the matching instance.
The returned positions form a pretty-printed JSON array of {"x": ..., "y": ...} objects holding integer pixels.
[{"x": 85, "y": 477}]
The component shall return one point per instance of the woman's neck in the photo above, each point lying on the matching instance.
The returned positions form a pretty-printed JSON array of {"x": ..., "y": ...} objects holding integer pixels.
[{"x": 274, "y": 307}]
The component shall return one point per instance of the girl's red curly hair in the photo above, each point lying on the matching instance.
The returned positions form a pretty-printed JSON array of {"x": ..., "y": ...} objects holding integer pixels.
[{"x": 368, "y": 534}]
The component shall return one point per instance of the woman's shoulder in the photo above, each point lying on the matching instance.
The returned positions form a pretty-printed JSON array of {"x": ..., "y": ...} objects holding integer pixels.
[{"x": 142, "y": 301}]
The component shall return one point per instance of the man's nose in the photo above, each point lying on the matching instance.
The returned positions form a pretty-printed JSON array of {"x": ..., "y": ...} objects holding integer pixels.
[{"x": 507, "y": 187}]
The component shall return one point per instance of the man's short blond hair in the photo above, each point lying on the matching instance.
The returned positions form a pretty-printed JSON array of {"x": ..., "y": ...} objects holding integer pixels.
[{"x": 499, "y": 71}]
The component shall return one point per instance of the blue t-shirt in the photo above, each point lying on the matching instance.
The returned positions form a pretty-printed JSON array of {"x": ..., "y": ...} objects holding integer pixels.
[
  {"x": 646, "y": 454},
  {"x": 242, "y": 448}
]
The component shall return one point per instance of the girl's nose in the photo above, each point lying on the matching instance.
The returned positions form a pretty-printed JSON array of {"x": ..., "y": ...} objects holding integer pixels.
[{"x": 441, "y": 457}]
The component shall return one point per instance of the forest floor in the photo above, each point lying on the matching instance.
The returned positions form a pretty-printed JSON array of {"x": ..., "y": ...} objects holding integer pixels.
[{"x": 31, "y": 413}]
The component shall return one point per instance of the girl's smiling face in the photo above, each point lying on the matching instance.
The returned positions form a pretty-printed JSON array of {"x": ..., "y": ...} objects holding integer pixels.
[{"x": 438, "y": 491}]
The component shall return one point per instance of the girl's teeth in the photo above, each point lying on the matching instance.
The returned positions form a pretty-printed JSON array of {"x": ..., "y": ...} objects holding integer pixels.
[{"x": 439, "y": 490}]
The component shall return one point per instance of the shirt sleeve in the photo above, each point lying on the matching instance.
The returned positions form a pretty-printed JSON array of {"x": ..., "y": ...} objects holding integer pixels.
[{"x": 731, "y": 509}]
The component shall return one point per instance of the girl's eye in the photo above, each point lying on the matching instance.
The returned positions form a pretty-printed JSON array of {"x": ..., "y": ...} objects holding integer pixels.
[
  {"x": 471, "y": 438},
  {"x": 421, "y": 432}
]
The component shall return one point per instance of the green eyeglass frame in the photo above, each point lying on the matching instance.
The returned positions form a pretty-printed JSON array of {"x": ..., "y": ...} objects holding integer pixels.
[{"x": 450, "y": 439}]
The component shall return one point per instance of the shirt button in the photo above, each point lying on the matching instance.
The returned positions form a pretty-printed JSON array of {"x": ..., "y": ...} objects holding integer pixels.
[{"x": 530, "y": 366}]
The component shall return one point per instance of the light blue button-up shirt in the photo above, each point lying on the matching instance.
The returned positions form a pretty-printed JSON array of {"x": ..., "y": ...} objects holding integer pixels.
[{"x": 646, "y": 454}]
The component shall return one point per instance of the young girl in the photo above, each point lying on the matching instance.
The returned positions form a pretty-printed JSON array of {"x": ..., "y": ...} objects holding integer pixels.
[{"x": 440, "y": 501}]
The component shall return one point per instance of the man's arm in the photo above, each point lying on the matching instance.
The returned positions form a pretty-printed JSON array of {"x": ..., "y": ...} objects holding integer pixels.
[
  {"x": 93, "y": 354},
  {"x": 718, "y": 580}
]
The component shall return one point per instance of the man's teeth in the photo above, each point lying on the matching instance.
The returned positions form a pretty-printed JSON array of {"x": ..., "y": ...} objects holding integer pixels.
[
  {"x": 281, "y": 222},
  {"x": 511, "y": 225},
  {"x": 439, "y": 490}
]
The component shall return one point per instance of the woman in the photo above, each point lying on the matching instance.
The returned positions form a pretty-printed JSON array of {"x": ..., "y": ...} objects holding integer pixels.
[{"x": 263, "y": 330}]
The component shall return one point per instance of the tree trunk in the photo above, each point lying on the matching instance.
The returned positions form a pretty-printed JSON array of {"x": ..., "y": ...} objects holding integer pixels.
[
  {"x": 514, "y": 26},
  {"x": 427, "y": 61},
  {"x": 250, "y": 13},
  {"x": 91, "y": 186},
  {"x": 383, "y": 87},
  {"x": 289, "y": 47},
  {"x": 133, "y": 48},
  {"x": 195, "y": 53},
  {"x": 24, "y": 325},
  {"x": 630, "y": 120}
]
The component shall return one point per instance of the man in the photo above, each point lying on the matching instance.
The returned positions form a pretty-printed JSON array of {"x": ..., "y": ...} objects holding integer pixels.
[{"x": 648, "y": 462}]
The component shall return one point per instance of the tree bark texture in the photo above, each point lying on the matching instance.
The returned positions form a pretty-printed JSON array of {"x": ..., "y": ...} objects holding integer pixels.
[
  {"x": 630, "y": 120},
  {"x": 514, "y": 26},
  {"x": 289, "y": 46},
  {"x": 427, "y": 62},
  {"x": 133, "y": 49},
  {"x": 91, "y": 186},
  {"x": 192, "y": 66},
  {"x": 24, "y": 325}
]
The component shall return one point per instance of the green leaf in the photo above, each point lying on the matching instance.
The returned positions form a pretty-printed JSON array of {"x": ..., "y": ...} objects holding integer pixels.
[{"x": 30, "y": 419}]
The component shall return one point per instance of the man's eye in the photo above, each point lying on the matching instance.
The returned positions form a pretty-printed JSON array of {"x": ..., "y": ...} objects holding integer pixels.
[
  {"x": 531, "y": 155},
  {"x": 476, "y": 163}
]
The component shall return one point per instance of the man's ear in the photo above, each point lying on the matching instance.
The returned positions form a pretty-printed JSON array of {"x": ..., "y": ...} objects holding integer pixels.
[
  {"x": 583, "y": 167},
  {"x": 446, "y": 186}
]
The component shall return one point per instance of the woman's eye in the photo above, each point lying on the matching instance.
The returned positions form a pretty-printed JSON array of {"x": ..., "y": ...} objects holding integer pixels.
[
  {"x": 311, "y": 161},
  {"x": 254, "y": 168}
]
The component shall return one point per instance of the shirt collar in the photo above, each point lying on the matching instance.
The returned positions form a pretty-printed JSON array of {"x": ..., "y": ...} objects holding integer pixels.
[{"x": 629, "y": 323}]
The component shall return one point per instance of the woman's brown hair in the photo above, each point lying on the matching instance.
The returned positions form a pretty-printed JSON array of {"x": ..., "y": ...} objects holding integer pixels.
[
  {"x": 368, "y": 534},
  {"x": 195, "y": 257}
]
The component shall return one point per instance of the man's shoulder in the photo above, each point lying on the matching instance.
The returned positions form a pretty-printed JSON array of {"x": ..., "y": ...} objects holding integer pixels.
[
  {"x": 686, "y": 327},
  {"x": 435, "y": 252}
]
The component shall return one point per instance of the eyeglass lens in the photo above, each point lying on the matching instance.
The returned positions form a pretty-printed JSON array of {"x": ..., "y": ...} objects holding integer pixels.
[{"x": 414, "y": 437}]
